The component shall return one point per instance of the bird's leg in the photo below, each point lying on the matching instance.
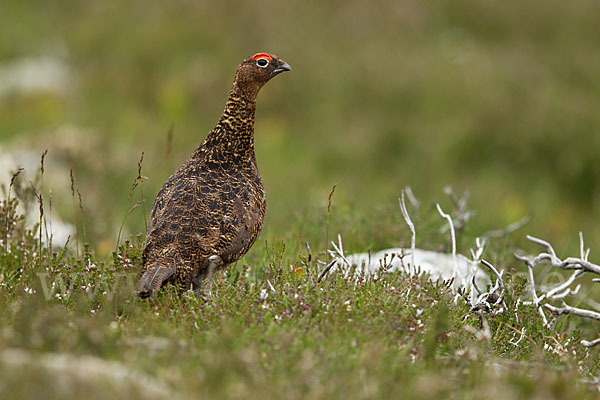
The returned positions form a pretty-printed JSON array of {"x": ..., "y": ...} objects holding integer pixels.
[
  {"x": 197, "y": 282},
  {"x": 214, "y": 263}
]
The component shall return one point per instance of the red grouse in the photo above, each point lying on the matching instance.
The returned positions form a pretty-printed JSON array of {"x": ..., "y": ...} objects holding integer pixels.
[{"x": 212, "y": 209}]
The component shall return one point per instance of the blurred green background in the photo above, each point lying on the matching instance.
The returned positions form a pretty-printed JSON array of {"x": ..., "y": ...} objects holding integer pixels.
[{"x": 501, "y": 98}]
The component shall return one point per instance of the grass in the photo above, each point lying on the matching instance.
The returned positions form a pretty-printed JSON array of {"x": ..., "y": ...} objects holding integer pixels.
[
  {"x": 270, "y": 329},
  {"x": 496, "y": 97}
]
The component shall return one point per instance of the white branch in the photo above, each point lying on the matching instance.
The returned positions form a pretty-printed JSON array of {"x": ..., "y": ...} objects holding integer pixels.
[
  {"x": 498, "y": 275},
  {"x": 411, "y": 198},
  {"x": 520, "y": 338},
  {"x": 508, "y": 228},
  {"x": 411, "y": 226},
  {"x": 453, "y": 235},
  {"x": 339, "y": 250},
  {"x": 567, "y": 309},
  {"x": 579, "y": 265},
  {"x": 542, "y": 243},
  {"x": 565, "y": 285},
  {"x": 536, "y": 299},
  {"x": 590, "y": 344},
  {"x": 565, "y": 293},
  {"x": 570, "y": 263}
]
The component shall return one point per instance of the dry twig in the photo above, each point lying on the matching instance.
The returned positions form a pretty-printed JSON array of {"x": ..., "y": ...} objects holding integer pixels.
[
  {"x": 410, "y": 224},
  {"x": 580, "y": 265}
]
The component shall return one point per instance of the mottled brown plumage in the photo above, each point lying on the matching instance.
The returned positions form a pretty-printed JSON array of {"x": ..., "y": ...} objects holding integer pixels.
[{"x": 212, "y": 209}]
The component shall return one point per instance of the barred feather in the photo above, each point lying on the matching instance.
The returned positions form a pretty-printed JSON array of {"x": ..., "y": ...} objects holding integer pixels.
[{"x": 214, "y": 204}]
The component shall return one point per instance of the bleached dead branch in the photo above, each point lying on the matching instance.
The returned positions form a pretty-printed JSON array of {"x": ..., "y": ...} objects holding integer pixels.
[
  {"x": 590, "y": 344},
  {"x": 479, "y": 247},
  {"x": 579, "y": 265},
  {"x": 515, "y": 226},
  {"x": 454, "y": 268},
  {"x": 339, "y": 250},
  {"x": 462, "y": 215},
  {"x": 436, "y": 265},
  {"x": 493, "y": 297},
  {"x": 516, "y": 343},
  {"x": 570, "y": 263},
  {"x": 490, "y": 302},
  {"x": 411, "y": 226},
  {"x": 567, "y": 309},
  {"x": 411, "y": 198},
  {"x": 453, "y": 235},
  {"x": 476, "y": 260}
]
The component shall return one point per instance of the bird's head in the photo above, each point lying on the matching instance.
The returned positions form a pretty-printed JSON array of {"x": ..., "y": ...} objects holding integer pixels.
[{"x": 257, "y": 70}]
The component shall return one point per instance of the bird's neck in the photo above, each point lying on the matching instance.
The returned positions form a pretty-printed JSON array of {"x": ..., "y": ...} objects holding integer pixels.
[{"x": 235, "y": 130}]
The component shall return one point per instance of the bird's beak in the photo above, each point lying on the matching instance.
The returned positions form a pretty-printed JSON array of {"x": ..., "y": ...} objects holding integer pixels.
[{"x": 283, "y": 66}]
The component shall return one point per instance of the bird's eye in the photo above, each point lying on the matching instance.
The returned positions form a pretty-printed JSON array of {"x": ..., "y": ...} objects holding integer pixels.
[{"x": 262, "y": 62}]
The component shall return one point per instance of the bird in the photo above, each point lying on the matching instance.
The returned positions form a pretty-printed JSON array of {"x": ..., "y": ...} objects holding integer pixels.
[{"x": 210, "y": 211}]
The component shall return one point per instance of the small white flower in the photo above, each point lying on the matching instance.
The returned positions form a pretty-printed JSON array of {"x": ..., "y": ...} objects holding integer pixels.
[{"x": 263, "y": 294}]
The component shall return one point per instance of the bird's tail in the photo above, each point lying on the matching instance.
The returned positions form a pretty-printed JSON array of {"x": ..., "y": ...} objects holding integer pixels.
[{"x": 153, "y": 278}]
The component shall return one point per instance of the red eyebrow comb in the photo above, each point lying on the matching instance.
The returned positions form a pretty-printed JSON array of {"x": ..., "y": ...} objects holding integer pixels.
[{"x": 261, "y": 55}]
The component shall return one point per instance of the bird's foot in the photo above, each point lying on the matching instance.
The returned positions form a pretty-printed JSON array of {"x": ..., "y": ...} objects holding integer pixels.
[{"x": 214, "y": 263}]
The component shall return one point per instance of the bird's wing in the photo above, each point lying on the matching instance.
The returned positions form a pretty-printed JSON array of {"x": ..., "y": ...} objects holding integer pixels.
[
  {"x": 225, "y": 222},
  {"x": 243, "y": 230},
  {"x": 204, "y": 213}
]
